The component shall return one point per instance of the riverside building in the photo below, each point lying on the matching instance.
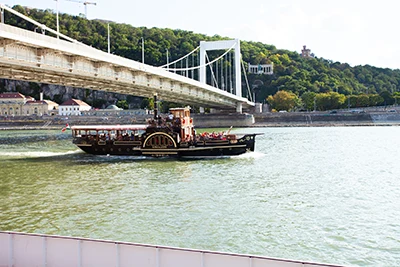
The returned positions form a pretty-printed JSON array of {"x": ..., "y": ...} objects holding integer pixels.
[{"x": 17, "y": 104}]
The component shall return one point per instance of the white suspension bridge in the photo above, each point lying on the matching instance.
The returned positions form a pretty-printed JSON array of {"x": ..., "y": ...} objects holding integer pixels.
[{"x": 195, "y": 79}]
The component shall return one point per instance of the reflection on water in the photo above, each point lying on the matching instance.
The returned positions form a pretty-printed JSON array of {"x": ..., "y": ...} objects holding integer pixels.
[{"x": 318, "y": 194}]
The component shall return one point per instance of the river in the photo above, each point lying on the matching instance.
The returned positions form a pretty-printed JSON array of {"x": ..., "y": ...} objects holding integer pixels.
[{"x": 327, "y": 195}]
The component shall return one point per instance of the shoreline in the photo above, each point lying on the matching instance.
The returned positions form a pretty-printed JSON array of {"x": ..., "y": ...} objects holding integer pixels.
[
  {"x": 255, "y": 125},
  {"x": 289, "y": 119}
]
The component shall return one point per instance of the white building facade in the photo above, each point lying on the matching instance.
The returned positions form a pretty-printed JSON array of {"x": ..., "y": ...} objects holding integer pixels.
[
  {"x": 267, "y": 69},
  {"x": 73, "y": 107}
]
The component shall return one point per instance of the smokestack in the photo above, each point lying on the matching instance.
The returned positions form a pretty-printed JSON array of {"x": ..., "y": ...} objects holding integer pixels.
[
  {"x": 155, "y": 106},
  {"x": 41, "y": 96}
]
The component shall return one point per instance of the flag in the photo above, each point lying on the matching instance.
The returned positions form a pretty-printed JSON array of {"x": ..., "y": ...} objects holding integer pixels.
[{"x": 66, "y": 128}]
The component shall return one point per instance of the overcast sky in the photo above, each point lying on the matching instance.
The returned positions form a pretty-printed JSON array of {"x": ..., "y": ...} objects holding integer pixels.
[{"x": 351, "y": 31}]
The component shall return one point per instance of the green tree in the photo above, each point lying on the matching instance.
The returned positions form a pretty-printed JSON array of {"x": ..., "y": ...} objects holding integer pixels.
[
  {"x": 147, "y": 103},
  {"x": 387, "y": 98},
  {"x": 122, "y": 104},
  {"x": 308, "y": 99},
  {"x": 283, "y": 100},
  {"x": 396, "y": 97},
  {"x": 363, "y": 101},
  {"x": 331, "y": 100},
  {"x": 375, "y": 100}
]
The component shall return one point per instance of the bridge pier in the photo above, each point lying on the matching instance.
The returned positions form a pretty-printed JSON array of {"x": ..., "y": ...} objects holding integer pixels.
[{"x": 239, "y": 107}]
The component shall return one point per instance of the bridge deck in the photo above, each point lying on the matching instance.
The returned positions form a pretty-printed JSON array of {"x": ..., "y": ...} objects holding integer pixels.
[{"x": 31, "y": 56}]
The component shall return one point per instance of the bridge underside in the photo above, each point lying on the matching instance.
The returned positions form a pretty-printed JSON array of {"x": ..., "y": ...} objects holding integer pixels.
[
  {"x": 35, "y": 57},
  {"x": 167, "y": 90}
]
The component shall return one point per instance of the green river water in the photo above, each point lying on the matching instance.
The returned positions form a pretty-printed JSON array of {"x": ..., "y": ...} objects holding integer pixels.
[{"x": 316, "y": 194}]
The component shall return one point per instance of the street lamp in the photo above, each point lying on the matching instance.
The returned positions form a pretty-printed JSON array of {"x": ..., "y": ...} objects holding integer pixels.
[
  {"x": 315, "y": 103},
  {"x": 58, "y": 24},
  {"x": 166, "y": 49},
  {"x": 142, "y": 50},
  {"x": 108, "y": 37}
]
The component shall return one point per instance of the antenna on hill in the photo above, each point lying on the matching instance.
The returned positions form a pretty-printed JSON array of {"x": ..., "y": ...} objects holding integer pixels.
[{"x": 85, "y": 3}]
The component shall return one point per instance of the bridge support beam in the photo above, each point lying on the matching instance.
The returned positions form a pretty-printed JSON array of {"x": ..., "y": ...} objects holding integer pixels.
[
  {"x": 219, "y": 45},
  {"x": 2, "y": 14},
  {"x": 239, "y": 107}
]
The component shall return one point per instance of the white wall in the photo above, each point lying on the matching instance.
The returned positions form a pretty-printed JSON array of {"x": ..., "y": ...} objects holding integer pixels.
[
  {"x": 26, "y": 250},
  {"x": 72, "y": 110}
]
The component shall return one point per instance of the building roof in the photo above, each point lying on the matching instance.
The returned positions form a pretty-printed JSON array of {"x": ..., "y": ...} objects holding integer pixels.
[
  {"x": 34, "y": 102},
  {"x": 74, "y": 102},
  {"x": 49, "y": 102},
  {"x": 114, "y": 107},
  {"x": 12, "y": 95}
]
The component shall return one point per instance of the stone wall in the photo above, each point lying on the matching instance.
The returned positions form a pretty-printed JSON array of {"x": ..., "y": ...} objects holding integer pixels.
[
  {"x": 325, "y": 119},
  {"x": 222, "y": 120}
]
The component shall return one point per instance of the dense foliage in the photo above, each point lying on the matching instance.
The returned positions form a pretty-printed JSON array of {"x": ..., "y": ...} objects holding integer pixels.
[{"x": 313, "y": 82}]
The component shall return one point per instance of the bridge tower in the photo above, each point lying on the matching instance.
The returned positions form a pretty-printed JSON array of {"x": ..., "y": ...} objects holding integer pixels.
[{"x": 220, "y": 45}]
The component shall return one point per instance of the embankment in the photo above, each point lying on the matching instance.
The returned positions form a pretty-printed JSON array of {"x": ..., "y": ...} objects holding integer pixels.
[
  {"x": 310, "y": 119},
  {"x": 289, "y": 119}
]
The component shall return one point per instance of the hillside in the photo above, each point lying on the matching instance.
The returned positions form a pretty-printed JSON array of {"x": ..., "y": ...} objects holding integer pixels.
[{"x": 359, "y": 85}]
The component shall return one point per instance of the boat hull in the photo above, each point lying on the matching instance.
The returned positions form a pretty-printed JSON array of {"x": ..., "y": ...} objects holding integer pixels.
[{"x": 210, "y": 148}]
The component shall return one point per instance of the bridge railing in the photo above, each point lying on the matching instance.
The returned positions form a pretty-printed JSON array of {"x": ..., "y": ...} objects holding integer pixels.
[{"x": 19, "y": 250}]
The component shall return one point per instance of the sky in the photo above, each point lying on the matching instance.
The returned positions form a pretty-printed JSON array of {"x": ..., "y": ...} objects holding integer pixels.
[{"x": 357, "y": 32}]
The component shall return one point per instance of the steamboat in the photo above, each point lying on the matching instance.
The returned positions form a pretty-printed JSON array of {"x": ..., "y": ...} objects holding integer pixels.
[{"x": 171, "y": 136}]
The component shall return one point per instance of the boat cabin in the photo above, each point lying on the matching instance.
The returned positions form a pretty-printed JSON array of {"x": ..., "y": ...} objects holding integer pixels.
[
  {"x": 186, "y": 122},
  {"x": 100, "y": 133}
]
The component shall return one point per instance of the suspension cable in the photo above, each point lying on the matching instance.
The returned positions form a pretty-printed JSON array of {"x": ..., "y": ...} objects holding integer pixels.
[
  {"x": 205, "y": 65},
  {"x": 217, "y": 71},
  {"x": 185, "y": 56},
  {"x": 226, "y": 75},
  {"x": 247, "y": 82},
  {"x": 212, "y": 71},
  {"x": 222, "y": 77}
]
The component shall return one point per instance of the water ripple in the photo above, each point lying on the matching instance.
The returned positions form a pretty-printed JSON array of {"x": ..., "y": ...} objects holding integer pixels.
[{"x": 316, "y": 194}]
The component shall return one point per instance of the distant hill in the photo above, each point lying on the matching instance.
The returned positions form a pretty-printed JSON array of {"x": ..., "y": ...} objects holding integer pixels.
[{"x": 291, "y": 71}]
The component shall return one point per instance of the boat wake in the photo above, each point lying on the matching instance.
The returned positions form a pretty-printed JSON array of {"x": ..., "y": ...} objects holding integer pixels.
[
  {"x": 250, "y": 155},
  {"x": 38, "y": 154}
]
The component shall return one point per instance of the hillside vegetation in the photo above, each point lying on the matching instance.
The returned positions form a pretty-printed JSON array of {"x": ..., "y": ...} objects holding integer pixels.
[{"x": 307, "y": 83}]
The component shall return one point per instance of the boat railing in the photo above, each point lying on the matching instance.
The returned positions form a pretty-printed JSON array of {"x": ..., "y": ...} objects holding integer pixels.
[{"x": 21, "y": 249}]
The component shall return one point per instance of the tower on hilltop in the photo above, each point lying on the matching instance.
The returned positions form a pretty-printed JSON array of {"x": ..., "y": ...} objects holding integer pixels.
[{"x": 306, "y": 52}]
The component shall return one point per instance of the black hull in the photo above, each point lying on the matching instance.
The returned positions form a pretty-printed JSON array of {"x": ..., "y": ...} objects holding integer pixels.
[{"x": 212, "y": 148}]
